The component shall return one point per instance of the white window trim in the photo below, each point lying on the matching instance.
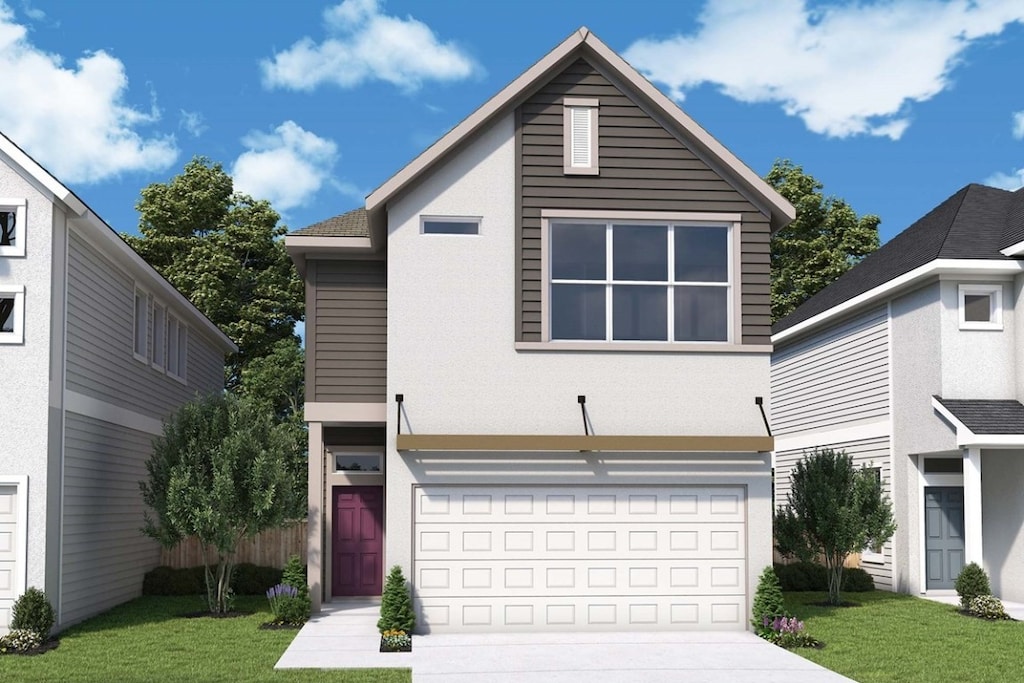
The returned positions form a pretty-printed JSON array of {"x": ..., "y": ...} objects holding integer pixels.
[
  {"x": 478, "y": 220},
  {"x": 142, "y": 356},
  {"x": 733, "y": 323},
  {"x": 180, "y": 373},
  {"x": 19, "y": 205},
  {"x": 17, "y": 334},
  {"x": 161, "y": 363},
  {"x": 357, "y": 452},
  {"x": 995, "y": 292},
  {"x": 868, "y": 554},
  {"x": 593, "y": 106}
]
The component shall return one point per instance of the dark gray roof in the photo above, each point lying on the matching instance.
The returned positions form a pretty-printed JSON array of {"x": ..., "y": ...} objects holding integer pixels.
[
  {"x": 351, "y": 224},
  {"x": 987, "y": 416},
  {"x": 975, "y": 223}
]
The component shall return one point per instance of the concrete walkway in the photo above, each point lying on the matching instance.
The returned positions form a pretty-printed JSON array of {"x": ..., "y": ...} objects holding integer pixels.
[
  {"x": 1014, "y": 609},
  {"x": 345, "y": 636}
]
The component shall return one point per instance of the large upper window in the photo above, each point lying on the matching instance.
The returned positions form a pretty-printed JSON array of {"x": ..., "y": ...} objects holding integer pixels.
[
  {"x": 12, "y": 227},
  {"x": 636, "y": 281}
]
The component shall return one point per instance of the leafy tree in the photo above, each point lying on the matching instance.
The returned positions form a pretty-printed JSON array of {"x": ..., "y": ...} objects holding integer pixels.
[
  {"x": 834, "y": 509},
  {"x": 826, "y": 239},
  {"x": 223, "y": 251},
  {"x": 219, "y": 473}
]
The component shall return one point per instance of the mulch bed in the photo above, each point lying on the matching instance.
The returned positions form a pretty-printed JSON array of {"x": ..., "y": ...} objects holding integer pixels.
[
  {"x": 216, "y": 615},
  {"x": 42, "y": 649},
  {"x": 968, "y": 613},
  {"x": 272, "y": 626}
]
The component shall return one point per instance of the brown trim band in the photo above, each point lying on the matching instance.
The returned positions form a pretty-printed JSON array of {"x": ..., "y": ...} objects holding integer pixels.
[{"x": 580, "y": 442}]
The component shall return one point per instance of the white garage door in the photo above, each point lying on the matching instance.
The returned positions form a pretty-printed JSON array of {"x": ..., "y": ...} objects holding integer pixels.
[
  {"x": 8, "y": 552},
  {"x": 580, "y": 558}
]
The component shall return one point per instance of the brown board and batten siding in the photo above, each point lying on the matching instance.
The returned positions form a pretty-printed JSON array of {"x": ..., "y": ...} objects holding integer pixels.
[
  {"x": 100, "y": 334},
  {"x": 643, "y": 167},
  {"x": 350, "y": 330}
]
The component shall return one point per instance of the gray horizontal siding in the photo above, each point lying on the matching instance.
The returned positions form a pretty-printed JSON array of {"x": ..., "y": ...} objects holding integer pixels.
[
  {"x": 350, "y": 326},
  {"x": 866, "y": 453},
  {"x": 104, "y": 556},
  {"x": 100, "y": 363},
  {"x": 838, "y": 377},
  {"x": 643, "y": 167}
]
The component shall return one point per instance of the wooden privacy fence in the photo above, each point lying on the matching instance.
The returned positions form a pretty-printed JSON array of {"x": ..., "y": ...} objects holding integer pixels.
[{"x": 272, "y": 548}]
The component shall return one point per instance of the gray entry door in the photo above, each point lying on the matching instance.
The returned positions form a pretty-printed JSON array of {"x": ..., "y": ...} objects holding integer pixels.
[{"x": 943, "y": 534}]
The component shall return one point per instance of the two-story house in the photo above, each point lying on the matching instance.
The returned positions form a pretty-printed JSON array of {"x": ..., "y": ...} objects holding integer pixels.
[
  {"x": 96, "y": 349},
  {"x": 912, "y": 362},
  {"x": 535, "y": 361}
]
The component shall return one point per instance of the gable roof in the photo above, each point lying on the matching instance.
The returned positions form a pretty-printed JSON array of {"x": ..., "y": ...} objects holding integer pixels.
[
  {"x": 977, "y": 222},
  {"x": 350, "y": 224},
  {"x": 583, "y": 43},
  {"x": 117, "y": 248},
  {"x": 986, "y": 416}
]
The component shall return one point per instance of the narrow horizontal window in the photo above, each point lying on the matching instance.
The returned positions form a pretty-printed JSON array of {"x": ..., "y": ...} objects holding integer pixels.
[
  {"x": 349, "y": 462},
  {"x": 12, "y": 227},
  {"x": 451, "y": 226},
  {"x": 12, "y": 314}
]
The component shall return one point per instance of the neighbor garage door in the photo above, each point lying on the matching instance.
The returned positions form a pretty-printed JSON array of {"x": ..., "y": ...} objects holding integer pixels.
[
  {"x": 580, "y": 558},
  {"x": 8, "y": 552}
]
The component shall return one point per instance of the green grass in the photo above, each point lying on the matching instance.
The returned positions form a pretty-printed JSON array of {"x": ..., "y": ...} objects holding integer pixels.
[
  {"x": 894, "y": 637},
  {"x": 147, "y": 640}
]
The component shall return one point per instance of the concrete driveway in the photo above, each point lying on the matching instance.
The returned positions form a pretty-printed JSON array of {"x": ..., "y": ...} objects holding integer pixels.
[{"x": 344, "y": 636}]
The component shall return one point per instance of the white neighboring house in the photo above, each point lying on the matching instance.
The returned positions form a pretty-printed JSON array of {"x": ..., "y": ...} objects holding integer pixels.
[
  {"x": 913, "y": 362},
  {"x": 96, "y": 349},
  {"x": 533, "y": 362}
]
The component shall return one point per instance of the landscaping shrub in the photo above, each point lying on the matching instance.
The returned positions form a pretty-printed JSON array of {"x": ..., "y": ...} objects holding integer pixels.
[
  {"x": 33, "y": 612},
  {"x": 972, "y": 582},
  {"x": 294, "y": 574},
  {"x": 20, "y": 640},
  {"x": 250, "y": 579},
  {"x": 988, "y": 607},
  {"x": 396, "y": 613},
  {"x": 807, "y": 576},
  {"x": 788, "y": 632},
  {"x": 768, "y": 602}
]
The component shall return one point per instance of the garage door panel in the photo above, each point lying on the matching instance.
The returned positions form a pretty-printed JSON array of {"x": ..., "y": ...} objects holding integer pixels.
[
  {"x": 554, "y": 578},
  {"x": 583, "y": 613},
  {"x": 8, "y": 552},
  {"x": 581, "y": 541},
  {"x": 587, "y": 504}
]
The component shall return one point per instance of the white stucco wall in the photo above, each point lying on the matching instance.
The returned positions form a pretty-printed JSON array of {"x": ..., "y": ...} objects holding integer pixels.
[
  {"x": 1002, "y": 512},
  {"x": 451, "y": 334},
  {"x": 25, "y": 368},
  {"x": 977, "y": 363}
]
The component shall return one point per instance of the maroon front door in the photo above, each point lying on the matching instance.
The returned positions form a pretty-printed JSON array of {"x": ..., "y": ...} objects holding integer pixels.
[{"x": 358, "y": 543}]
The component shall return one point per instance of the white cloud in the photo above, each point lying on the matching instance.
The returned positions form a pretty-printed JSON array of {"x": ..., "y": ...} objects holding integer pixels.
[
  {"x": 74, "y": 121},
  {"x": 1018, "y": 125},
  {"x": 365, "y": 45},
  {"x": 287, "y": 166},
  {"x": 31, "y": 12},
  {"x": 845, "y": 70},
  {"x": 1014, "y": 180},
  {"x": 192, "y": 122}
]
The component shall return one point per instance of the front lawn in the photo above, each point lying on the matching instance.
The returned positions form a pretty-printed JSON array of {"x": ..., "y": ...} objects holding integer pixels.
[
  {"x": 894, "y": 637},
  {"x": 146, "y": 640}
]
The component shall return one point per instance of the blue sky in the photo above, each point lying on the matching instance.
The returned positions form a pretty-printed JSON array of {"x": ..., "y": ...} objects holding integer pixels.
[{"x": 893, "y": 105}]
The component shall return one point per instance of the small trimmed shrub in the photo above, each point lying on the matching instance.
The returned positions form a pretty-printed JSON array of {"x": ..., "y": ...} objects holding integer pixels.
[
  {"x": 250, "y": 579},
  {"x": 20, "y": 640},
  {"x": 988, "y": 607},
  {"x": 294, "y": 574},
  {"x": 396, "y": 613},
  {"x": 33, "y": 612},
  {"x": 807, "y": 576},
  {"x": 288, "y": 604},
  {"x": 972, "y": 582},
  {"x": 768, "y": 602}
]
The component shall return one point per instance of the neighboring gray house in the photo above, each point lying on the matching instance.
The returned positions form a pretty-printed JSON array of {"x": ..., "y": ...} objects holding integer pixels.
[
  {"x": 96, "y": 349},
  {"x": 913, "y": 362},
  {"x": 532, "y": 364}
]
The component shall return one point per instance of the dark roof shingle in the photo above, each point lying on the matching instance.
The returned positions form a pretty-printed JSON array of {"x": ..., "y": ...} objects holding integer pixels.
[
  {"x": 351, "y": 224},
  {"x": 984, "y": 416},
  {"x": 974, "y": 223}
]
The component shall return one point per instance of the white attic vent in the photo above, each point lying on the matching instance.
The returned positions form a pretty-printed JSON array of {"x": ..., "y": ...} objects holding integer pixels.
[{"x": 581, "y": 135}]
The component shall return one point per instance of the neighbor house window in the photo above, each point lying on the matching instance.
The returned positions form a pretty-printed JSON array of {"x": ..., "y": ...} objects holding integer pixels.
[
  {"x": 580, "y": 135},
  {"x": 159, "y": 335},
  {"x": 981, "y": 307},
  {"x": 450, "y": 225},
  {"x": 639, "y": 282},
  {"x": 12, "y": 314},
  {"x": 141, "y": 328},
  {"x": 357, "y": 461},
  {"x": 874, "y": 553},
  {"x": 177, "y": 347},
  {"x": 12, "y": 227}
]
